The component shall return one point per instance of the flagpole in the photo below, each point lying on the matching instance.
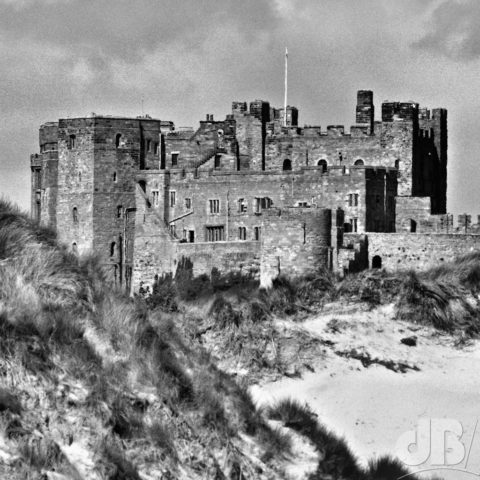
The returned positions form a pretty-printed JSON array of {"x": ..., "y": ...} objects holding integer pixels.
[{"x": 286, "y": 87}]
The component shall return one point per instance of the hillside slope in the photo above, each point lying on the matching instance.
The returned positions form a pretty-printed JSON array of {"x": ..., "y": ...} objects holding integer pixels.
[
  {"x": 98, "y": 386},
  {"x": 94, "y": 386}
]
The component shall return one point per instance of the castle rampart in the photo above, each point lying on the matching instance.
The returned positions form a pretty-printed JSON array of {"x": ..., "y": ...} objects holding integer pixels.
[{"x": 246, "y": 193}]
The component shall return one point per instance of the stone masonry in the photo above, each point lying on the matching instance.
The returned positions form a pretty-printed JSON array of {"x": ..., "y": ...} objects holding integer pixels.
[{"x": 246, "y": 193}]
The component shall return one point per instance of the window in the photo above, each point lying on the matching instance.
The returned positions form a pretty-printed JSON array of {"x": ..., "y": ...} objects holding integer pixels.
[
  {"x": 287, "y": 165},
  {"x": 354, "y": 223},
  {"x": 174, "y": 159},
  {"x": 188, "y": 203},
  {"x": 377, "y": 262},
  {"x": 397, "y": 164},
  {"x": 216, "y": 234},
  {"x": 355, "y": 199},
  {"x": 155, "y": 148},
  {"x": 115, "y": 177},
  {"x": 72, "y": 140},
  {"x": 214, "y": 206},
  {"x": 322, "y": 163},
  {"x": 156, "y": 197},
  {"x": 350, "y": 199},
  {"x": 37, "y": 178},
  {"x": 262, "y": 203},
  {"x": 257, "y": 233},
  {"x": 217, "y": 160},
  {"x": 359, "y": 162},
  {"x": 119, "y": 211},
  {"x": 118, "y": 139},
  {"x": 242, "y": 233},
  {"x": 74, "y": 248},
  {"x": 173, "y": 198},
  {"x": 113, "y": 249},
  {"x": 38, "y": 210},
  {"x": 242, "y": 205},
  {"x": 191, "y": 236},
  {"x": 413, "y": 226},
  {"x": 75, "y": 215},
  {"x": 79, "y": 176},
  {"x": 173, "y": 229},
  {"x": 302, "y": 204},
  {"x": 149, "y": 145}
]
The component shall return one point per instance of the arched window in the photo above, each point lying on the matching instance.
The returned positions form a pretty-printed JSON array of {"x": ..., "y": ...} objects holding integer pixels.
[
  {"x": 322, "y": 163},
  {"x": 115, "y": 177},
  {"x": 113, "y": 249},
  {"x": 377, "y": 261},
  {"x": 74, "y": 248},
  {"x": 413, "y": 226},
  {"x": 118, "y": 139},
  {"x": 75, "y": 215},
  {"x": 72, "y": 141},
  {"x": 359, "y": 162},
  {"x": 287, "y": 165}
]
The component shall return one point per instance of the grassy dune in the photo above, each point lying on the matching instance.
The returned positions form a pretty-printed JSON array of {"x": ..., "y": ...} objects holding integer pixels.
[{"x": 96, "y": 385}]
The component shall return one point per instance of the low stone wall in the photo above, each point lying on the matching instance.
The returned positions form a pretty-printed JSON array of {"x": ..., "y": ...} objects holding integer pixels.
[
  {"x": 417, "y": 251},
  {"x": 237, "y": 257}
]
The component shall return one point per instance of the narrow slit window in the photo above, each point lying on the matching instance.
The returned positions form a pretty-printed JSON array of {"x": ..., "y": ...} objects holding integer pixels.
[
  {"x": 214, "y": 206},
  {"x": 156, "y": 198}
]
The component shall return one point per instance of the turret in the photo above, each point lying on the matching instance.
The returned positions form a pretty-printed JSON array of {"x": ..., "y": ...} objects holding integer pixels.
[{"x": 365, "y": 111}]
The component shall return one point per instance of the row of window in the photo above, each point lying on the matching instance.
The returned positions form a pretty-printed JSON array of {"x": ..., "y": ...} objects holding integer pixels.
[
  {"x": 75, "y": 218},
  {"x": 287, "y": 163},
  {"x": 148, "y": 145},
  {"x": 217, "y": 233},
  {"x": 259, "y": 203}
]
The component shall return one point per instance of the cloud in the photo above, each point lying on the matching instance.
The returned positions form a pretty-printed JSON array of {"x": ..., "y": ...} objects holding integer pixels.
[
  {"x": 128, "y": 30},
  {"x": 454, "y": 31}
]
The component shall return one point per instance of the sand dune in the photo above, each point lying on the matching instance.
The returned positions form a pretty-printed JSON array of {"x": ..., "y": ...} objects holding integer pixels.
[{"x": 373, "y": 406}]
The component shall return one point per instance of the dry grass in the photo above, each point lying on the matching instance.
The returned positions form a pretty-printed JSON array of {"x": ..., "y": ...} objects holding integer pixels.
[{"x": 140, "y": 396}]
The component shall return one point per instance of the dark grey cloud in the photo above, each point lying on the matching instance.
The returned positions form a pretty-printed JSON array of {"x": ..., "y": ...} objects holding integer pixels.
[{"x": 454, "y": 31}]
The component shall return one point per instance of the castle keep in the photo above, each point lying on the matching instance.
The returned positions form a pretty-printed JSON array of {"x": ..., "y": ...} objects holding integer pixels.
[{"x": 254, "y": 193}]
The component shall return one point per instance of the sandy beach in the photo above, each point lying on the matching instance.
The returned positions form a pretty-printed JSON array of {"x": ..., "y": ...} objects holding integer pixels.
[{"x": 373, "y": 406}]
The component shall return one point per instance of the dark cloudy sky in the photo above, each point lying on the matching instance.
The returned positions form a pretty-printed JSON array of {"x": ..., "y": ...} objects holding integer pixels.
[{"x": 61, "y": 58}]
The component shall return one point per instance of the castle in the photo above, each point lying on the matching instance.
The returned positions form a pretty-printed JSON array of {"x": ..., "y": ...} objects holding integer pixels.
[{"x": 253, "y": 193}]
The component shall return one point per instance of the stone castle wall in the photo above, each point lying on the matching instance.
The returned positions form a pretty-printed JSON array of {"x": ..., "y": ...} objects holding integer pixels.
[
  {"x": 403, "y": 251},
  {"x": 297, "y": 241},
  {"x": 143, "y": 195}
]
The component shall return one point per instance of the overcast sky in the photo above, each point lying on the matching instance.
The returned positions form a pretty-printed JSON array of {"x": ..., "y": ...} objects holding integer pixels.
[{"x": 61, "y": 58}]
